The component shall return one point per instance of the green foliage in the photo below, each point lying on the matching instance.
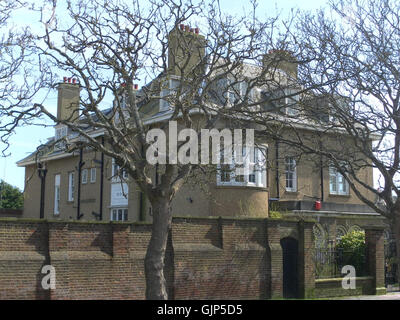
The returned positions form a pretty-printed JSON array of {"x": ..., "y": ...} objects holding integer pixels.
[
  {"x": 275, "y": 214},
  {"x": 275, "y": 211},
  {"x": 10, "y": 197},
  {"x": 354, "y": 240},
  {"x": 352, "y": 246}
]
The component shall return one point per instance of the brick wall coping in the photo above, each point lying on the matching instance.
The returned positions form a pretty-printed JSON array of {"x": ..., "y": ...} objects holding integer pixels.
[
  {"x": 174, "y": 219},
  {"x": 336, "y": 214},
  {"x": 340, "y": 279},
  {"x": 283, "y": 219},
  {"x": 36, "y": 220}
]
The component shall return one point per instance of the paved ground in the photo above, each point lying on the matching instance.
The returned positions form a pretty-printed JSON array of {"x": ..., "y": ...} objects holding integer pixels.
[{"x": 389, "y": 296}]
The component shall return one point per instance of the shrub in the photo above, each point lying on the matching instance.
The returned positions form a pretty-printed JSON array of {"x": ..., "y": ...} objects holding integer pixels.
[{"x": 351, "y": 251}]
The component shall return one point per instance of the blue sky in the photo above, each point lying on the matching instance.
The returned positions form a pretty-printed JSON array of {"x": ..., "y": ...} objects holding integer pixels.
[{"x": 27, "y": 138}]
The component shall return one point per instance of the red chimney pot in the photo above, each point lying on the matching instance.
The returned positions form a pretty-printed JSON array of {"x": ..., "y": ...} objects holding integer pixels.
[{"x": 197, "y": 30}]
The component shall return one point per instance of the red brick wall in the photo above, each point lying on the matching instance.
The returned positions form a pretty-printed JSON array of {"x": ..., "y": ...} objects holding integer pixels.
[{"x": 206, "y": 258}]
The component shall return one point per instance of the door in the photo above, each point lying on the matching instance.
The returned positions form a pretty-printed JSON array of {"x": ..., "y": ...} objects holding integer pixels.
[{"x": 290, "y": 271}]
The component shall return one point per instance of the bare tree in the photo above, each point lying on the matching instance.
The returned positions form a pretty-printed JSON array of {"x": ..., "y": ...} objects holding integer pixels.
[
  {"x": 348, "y": 88},
  {"x": 109, "y": 46},
  {"x": 17, "y": 87}
]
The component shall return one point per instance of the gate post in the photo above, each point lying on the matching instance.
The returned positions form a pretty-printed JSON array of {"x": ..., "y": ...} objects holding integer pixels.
[
  {"x": 374, "y": 241},
  {"x": 306, "y": 267}
]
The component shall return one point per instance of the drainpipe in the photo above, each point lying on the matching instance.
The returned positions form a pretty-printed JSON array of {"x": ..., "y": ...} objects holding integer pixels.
[
  {"x": 42, "y": 171},
  {"x": 321, "y": 174},
  {"x": 80, "y": 165},
  {"x": 101, "y": 182},
  {"x": 142, "y": 216},
  {"x": 322, "y": 180},
  {"x": 277, "y": 168},
  {"x": 141, "y": 207}
]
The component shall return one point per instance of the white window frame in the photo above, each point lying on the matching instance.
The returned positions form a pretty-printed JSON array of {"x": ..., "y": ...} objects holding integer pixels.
[
  {"x": 118, "y": 213},
  {"x": 283, "y": 102},
  {"x": 340, "y": 183},
  {"x": 71, "y": 186},
  {"x": 290, "y": 111},
  {"x": 260, "y": 172},
  {"x": 85, "y": 176},
  {"x": 93, "y": 173},
  {"x": 290, "y": 174},
  {"x": 240, "y": 88},
  {"x": 57, "y": 183},
  {"x": 172, "y": 84}
]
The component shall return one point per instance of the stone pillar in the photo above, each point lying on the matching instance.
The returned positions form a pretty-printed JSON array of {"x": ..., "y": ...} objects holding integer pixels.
[
  {"x": 306, "y": 266},
  {"x": 276, "y": 260},
  {"x": 374, "y": 241}
]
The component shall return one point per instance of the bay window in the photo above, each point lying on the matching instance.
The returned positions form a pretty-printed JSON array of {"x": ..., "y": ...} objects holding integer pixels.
[
  {"x": 119, "y": 214},
  {"x": 227, "y": 173}
]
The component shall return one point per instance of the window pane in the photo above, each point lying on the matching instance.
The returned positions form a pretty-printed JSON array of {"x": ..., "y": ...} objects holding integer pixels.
[
  {"x": 332, "y": 184},
  {"x": 290, "y": 174},
  {"x": 239, "y": 178},
  {"x": 252, "y": 178},
  {"x": 225, "y": 173},
  {"x": 84, "y": 175},
  {"x": 93, "y": 175}
]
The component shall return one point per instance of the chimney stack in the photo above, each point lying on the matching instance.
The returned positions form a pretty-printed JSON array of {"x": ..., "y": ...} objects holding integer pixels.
[
  {"x": 185, "y": 42},
  {"x": 68, "y": 99}
]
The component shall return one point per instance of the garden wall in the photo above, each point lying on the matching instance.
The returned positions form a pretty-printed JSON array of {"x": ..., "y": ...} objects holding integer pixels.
[{"x": 207, "y": 258}]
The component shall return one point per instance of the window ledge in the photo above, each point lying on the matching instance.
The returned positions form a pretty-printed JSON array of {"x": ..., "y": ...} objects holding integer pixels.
[
  {"x": 291, "y": 192},
  {"x": 233, "y": 186},
  {"x": 339, "y": 195}
]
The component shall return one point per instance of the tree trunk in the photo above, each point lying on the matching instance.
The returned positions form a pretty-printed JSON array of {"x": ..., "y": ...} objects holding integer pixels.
[
  {"x": 396, "y": 234},
  {"x": 154, "y": 260}
]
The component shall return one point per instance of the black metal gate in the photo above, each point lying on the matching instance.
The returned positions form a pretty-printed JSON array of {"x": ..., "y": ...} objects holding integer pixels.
[{"x": 290, "y": 271}]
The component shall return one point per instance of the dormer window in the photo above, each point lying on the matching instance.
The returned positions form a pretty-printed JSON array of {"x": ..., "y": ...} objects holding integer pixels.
[
  {"x": 168, "y": 88},
  {"x": 229, "y": 92},
  {"x": 282, "y": 101}
]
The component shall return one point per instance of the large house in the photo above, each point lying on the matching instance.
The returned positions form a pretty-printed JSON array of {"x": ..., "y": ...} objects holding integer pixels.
[{"x": 288, "y": 184}]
